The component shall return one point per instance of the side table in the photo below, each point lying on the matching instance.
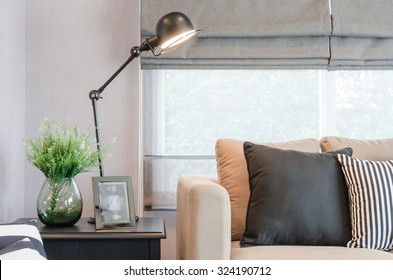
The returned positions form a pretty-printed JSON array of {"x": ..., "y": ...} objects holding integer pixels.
[{"x": 83, "y": 242}]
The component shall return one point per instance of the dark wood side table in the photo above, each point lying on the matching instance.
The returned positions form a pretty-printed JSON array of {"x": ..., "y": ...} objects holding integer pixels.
[{"x": 83, "y": 242}]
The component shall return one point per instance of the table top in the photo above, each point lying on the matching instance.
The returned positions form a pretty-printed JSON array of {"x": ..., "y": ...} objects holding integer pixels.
[{"x": 146, "y": 228}]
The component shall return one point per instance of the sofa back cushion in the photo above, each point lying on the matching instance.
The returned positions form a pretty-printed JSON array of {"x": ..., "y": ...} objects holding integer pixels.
[
  {"x": 377, "y": 149},
  {"x": 233, "y": 175}
]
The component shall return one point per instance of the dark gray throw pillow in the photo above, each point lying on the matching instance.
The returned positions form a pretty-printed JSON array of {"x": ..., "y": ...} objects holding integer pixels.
[{"x": 296, "y": 198}]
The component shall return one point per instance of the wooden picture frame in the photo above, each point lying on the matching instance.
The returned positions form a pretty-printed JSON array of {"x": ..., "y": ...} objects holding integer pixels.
[{"x": 114, "y": 207}]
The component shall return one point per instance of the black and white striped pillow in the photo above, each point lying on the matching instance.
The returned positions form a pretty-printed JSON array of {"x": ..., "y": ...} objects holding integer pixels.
[
  {"x": 20, "y": 241},
  {"x": 24, "y": 249},
  {"x": 370, "y": 191}
]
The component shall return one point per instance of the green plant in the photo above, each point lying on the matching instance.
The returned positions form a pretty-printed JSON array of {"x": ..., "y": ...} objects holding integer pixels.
[{"x": 60, "y": 152}]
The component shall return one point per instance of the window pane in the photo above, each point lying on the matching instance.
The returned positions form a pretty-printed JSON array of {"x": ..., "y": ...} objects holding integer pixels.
[
  {"x": 162, "y": 174},
  {"x": 186, "y": 111},
  {"x": 364, "y": 104},
  {"x": 255, "y": 105}
]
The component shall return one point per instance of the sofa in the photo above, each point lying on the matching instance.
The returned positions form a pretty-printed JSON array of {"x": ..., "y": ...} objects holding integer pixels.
[{"x": 301, "y": 199}]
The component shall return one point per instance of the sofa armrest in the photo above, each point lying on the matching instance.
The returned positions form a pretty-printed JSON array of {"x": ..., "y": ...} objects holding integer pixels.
[{"x": 203, "y": 219}]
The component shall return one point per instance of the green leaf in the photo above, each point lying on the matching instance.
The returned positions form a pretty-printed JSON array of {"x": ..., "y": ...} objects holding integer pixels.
[{"x": 60, "y": 152}]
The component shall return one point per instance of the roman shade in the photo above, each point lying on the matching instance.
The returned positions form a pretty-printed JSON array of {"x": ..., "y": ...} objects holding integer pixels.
[
  {"x": 362, "y": 34},
  {"x": 245, "y": 34},
  {"x": 302, "y": 34}
]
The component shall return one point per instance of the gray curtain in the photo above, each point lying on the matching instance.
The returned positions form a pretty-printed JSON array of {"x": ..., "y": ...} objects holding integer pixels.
[
  {"x": 355, "y": 34},
  {"x": 244, "y": 33},
  {"x": 362, "y": 34}
]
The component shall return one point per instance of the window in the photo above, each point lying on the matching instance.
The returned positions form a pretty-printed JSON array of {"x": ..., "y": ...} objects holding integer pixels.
[
  {"x": 364, "y": 104},
  {"x": 186, "y": 111}
]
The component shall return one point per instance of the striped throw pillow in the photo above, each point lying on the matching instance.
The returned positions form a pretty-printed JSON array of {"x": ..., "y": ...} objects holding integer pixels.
[
  {"x": 370, "y": 191},
  {"x": 23, "y": 249}
]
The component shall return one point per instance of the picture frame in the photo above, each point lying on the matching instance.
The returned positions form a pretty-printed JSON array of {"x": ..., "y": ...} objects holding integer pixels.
[{"x": 114, "y": 207}]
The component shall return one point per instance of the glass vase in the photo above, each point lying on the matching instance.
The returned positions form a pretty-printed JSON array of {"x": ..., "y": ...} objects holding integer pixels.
[{"x": 59, "y": 202}]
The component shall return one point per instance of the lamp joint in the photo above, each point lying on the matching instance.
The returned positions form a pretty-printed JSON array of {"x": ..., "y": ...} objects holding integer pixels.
[
  {"x": 95, "y": 94},
  {"x": 135, "y": 52}
]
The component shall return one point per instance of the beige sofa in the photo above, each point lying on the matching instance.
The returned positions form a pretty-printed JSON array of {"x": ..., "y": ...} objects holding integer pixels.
[{"x": 211, "y": 209}]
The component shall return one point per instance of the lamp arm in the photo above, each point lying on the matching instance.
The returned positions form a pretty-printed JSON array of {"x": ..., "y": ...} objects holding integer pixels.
[
  {"x": 95, "y": 95},
  {"x": 97, "y": 132},
  {"x": 121, "y": 68}
]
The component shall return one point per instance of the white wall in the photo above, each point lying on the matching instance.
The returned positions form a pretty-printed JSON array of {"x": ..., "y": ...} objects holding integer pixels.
[
  {"x": 73, "y": 47},
  {"x": 12, "y": 113}
]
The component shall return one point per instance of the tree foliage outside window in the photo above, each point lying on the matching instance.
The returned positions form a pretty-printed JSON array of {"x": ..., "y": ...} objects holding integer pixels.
[
  {"x": 364, "y": 101},
  {"x": 204, "y": 105}
]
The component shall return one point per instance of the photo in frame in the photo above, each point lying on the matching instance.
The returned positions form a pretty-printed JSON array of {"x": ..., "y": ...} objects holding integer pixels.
[{"x": 114, "y": 207}]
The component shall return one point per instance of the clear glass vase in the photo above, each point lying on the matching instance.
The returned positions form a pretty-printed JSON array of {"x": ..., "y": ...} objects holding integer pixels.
[{"x": 59, "y": 202}]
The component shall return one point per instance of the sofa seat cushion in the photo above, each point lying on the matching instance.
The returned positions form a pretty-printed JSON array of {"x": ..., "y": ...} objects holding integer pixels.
[
  {"x": 233, "y": 174},
  {"x": 306, "y": 253}
]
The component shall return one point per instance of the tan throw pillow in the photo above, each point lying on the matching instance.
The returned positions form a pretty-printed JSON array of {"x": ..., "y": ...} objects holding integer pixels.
[
  {"x": 233, "y": 174},
  {"x": 376, "y": 149}
]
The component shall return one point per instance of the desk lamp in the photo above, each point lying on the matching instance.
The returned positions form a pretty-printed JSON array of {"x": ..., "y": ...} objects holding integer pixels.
[{"x": 173, "y": 30}]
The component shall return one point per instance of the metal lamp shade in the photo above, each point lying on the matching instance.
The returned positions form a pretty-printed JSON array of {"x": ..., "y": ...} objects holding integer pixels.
[{"x": 174, "y": 30}]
